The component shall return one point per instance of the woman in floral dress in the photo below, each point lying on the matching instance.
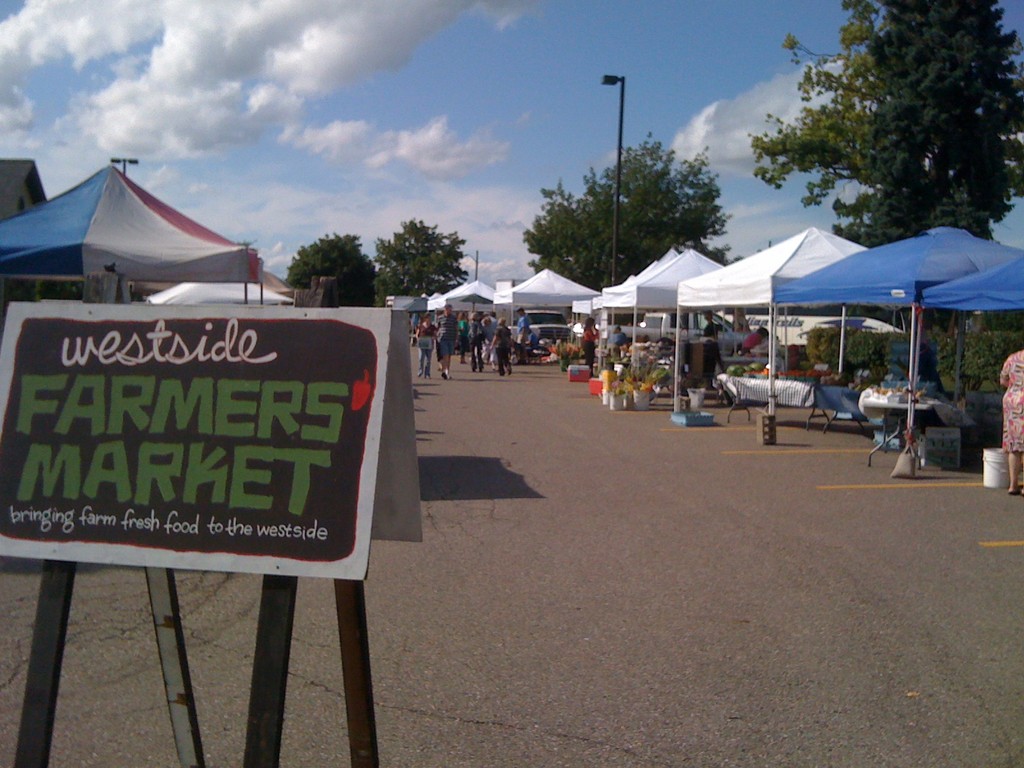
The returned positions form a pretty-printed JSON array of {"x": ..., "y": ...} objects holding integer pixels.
[{"x": 1012, "y": 377}]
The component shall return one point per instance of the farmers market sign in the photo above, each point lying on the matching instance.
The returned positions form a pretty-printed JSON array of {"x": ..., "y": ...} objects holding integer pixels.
[{"x": 232, "y": 439}]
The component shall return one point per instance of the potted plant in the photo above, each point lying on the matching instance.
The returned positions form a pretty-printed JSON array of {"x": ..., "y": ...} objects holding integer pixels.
[
  {"x": 648, "y": 378},
  {"x": 620, "y": 397},
  {"x": 567, "y": 353},
  {"x": 695, "y": 390}
]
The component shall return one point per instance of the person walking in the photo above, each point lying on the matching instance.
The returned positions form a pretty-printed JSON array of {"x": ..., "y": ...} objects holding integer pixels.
[
  {"x": 476, "y": 342},
  {"x": 447, "y": 334},
  {"x": 1012, "y": 377},
  {"x": 463, "y": 323},
  {"x": 426, "y": 333},
  {"x": 503, "y": 347},
  {"x": 489, "y": 326},
  {"x": 590, "y": 338}
]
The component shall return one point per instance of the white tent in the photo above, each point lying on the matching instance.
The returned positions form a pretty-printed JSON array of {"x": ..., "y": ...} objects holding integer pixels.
[
  {"x": 545, "y": 289},
  {"x": 218, "y": 293},
  {"x": 752, "y": 282},
  {"x": 464, "y": 296},
  {"x": 657, "y": 286}
]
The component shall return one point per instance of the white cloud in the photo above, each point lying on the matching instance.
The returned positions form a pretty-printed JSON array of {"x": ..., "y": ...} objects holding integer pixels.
[
  {"x": 724, "y": 127},
  {"x": 434, "y": 151},
  {"x": 180, "y": 79}
]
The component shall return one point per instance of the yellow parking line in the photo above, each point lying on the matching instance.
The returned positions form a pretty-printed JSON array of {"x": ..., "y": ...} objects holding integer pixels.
[
  {"x": 993, "y": 544},
  {"x": 785, "y": 451},
  {"x": 898, "y": 486}
]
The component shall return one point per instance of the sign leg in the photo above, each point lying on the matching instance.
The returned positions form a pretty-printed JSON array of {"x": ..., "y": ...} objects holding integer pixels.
[
  {"x": 170, "y": 642},
  {"x": 270, "y": 672},
  {"x": 37, "y": 712},
  {"x": 355, "y": 661}
]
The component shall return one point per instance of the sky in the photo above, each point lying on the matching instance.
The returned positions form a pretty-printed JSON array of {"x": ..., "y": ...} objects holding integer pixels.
[{"x": 278, "y": 122}]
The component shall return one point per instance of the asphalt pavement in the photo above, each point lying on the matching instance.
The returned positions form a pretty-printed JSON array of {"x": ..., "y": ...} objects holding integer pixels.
[{"x": 601, "y": 589}]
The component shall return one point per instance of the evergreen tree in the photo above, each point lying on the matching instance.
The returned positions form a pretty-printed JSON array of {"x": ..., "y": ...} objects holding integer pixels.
[
  {"x": 948, "y": 100},
  {"x": 892, "y": 113},
  {"x": 339, "y": 256},
  {"x": 664, "y": 203},
  {"x": 418, "y": 260}
]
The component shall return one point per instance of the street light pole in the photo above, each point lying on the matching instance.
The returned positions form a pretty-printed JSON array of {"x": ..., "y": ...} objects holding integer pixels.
[
  {"x": 125, "y": 162},
  {"x": 619, "y": 80}
]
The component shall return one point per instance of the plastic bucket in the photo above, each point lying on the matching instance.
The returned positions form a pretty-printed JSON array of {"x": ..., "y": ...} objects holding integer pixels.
[{"x": 996, "y": 474}]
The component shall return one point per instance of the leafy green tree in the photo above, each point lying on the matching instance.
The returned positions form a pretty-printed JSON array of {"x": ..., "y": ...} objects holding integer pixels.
[
  {"x": 857, "y": 105},
  {"x": 664, "y": 203},
  {"x": 418, "y": 260},
  {"x": 339, "y": 256},
  {"x": 948, "y": 100}
]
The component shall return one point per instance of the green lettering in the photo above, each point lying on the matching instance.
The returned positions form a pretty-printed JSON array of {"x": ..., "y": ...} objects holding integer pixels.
[
  {"x": 86, "y": 400},
  {"x": 229, "y": 406},
  {"x": 159, "y": 463},
  {"x": 32, "y": 404},
  {"x": 204, "y": 470},
  {"x": 242, "y": 474},
  {"x": 109, "y": 466},
  {"x": 196, "y": 405},
  {"x": 317, "y": 405},
  {"x": 40, "y": 462},
  {"x": 279, "y": 401},
  {"x": 301, "y": 459},
  {"x": 131, "y": 396}
]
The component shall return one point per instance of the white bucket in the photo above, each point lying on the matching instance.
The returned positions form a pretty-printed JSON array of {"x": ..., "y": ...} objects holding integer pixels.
[
  {"x": 696, "y": 398},
  {"x": 996, "y": 474}
]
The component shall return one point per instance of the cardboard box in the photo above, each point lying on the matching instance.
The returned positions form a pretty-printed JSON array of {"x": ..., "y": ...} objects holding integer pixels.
[{"x": 941, "y": 447}]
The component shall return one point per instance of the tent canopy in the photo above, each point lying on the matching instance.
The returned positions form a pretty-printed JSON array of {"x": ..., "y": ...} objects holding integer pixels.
[
  {"x": 899, "y": 272},
  {"x": 656, "y": 287},
  {"x": 217, "y": 293},
  {"x": 755, "y": 280},
  {"x": 545, "y": 289},
  {"x": 464, "y": 296},
  {"x": 108, "y": 219},
  {"x": 998, "y": 289}
]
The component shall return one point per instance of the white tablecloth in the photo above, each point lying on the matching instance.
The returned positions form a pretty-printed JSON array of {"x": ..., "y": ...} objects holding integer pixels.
[
  {"x": 875, "y": 405},
  {"x": 754, "y": 389}
]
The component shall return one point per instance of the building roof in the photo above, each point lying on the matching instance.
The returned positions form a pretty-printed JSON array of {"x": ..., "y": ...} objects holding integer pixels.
[{"x": 15, "y": 177}]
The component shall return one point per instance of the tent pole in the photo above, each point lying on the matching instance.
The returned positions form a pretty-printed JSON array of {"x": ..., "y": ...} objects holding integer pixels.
[
  {"x": 677, "y": 381},
  {"x": 842, "y": 339},
  {"x": 915, "y": 333},
  {"x": 961, "y": 331},
  {"x": 773, "y": 357}
]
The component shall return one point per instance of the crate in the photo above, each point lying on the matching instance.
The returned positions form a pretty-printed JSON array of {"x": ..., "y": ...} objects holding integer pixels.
[
  {"x": 579, "y": 373},
  {"x": 693, "y": 419},
  {"x": 941, "y": 447}
]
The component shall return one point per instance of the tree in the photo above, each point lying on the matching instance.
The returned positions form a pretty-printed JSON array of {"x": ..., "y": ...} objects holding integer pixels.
[
  {"x": 837, "y": 136},
  {"x": 664, "y": 203},
  {"x": 418, "y": 260},
  {"x": 948, "y": 99},
  {"x": 339, "y": 256}
]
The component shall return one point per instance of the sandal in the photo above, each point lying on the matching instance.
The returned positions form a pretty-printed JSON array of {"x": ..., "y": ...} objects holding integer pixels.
[{"x": 1013, "y": 492}]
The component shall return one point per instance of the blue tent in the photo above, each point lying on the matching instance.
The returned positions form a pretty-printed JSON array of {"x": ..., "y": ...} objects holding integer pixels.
[
  {"x": 998, "y": 289},
  {"x": 109, "y": 219},
  {"x": 898, "y": 273}
]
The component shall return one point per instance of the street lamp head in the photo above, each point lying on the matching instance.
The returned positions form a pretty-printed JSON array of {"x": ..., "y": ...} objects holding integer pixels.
[{"x": 611, "y": 80}]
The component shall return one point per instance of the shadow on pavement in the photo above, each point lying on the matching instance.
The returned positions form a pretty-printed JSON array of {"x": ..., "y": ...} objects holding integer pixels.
[{"x": 470, "y": 477}]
